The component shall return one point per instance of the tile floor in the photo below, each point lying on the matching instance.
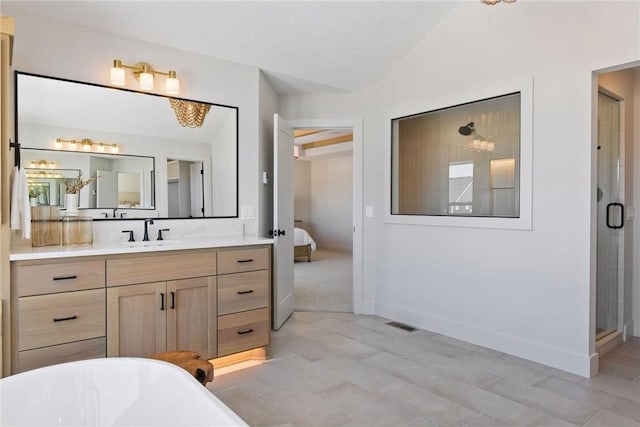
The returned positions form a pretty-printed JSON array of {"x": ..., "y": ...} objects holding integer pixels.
[{"x": 338, "y": 369}]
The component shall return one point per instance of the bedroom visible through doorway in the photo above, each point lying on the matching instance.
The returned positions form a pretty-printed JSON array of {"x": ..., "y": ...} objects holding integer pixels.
[{"x": 323, "y": 219}]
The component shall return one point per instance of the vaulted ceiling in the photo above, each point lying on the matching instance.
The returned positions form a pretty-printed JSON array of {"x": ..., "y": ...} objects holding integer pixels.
[{"x": 302, "y": 46}]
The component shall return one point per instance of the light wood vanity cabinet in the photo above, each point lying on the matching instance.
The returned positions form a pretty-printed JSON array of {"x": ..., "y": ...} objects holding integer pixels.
[
  {"x": 244, "y": 292},
  {"x": 60, "y": 312},
  {"x": 148, "y": 318},
  {"x": 214, "y": 301}
]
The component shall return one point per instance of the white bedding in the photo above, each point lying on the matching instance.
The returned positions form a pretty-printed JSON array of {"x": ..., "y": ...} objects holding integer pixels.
[{"x": 301, "y": 238}]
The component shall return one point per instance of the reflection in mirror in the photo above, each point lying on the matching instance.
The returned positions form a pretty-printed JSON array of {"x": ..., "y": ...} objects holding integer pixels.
[
  {"x": 133, "y": 191},
  {"x": 145, "y": 129},
  {"x": 185, "y": 184},
  {"x": 47, "y": 187}
]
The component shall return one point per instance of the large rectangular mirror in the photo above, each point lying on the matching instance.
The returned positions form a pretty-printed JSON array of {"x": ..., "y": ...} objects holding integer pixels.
[{"x": 76, "y": 125}]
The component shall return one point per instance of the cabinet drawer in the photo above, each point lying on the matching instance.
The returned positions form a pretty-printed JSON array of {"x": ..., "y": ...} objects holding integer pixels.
[
  {"x": 240, "y": 260},
  {"x": 46, "y": 320},
  {"x": 243, "y": 331},
  {"x": 243, "y": 291},
  {"x": 70, "y": 352},
  {"x": 59, "y": 277},
  {"x": 157, "y": 268}
]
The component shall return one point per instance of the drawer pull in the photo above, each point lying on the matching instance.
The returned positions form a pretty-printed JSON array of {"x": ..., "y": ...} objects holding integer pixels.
[
  {"x": 62, "y": 319},
  {"x": 65, "y": 277},
  {"x": 245, "y": 260},
  {"x": 250, "y": 291},
  {"x": 161, "y": 301},
  {"x": 245, "y": 331},
  {"x": 173, "y": 300}
]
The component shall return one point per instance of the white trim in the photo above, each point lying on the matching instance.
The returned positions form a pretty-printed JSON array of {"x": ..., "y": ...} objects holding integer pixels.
[
  {"x": 524, "y": 222},
  {"x": 356, "y": 124},
  {"x": 576, "y": 363}
]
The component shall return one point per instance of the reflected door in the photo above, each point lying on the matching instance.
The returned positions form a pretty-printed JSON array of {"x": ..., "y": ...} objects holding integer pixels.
[
  {"x": 610, "y": 217},
  {"x": 106, "y": 189}
]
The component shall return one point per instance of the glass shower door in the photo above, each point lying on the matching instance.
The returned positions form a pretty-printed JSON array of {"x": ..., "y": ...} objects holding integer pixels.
[{"x": 610, "y": 217}]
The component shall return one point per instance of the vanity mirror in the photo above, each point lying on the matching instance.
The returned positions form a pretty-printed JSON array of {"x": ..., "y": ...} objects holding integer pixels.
[{"x": 143, "y": 128}]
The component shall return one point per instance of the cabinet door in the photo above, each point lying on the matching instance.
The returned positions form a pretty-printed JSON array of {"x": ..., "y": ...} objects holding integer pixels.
[
  {"x": 191, "y": 315},
  {"x": 136, "y": 320}
]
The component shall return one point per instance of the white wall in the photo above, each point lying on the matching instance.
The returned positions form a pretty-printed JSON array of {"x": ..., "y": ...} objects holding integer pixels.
[
  {"x": 60, "y": 49},
  {"x": 331, "y": 203},
  {"x": 268, "y": 105},
  {"x": 527, "y": 293},
  {"x": 302, "y": 193}
]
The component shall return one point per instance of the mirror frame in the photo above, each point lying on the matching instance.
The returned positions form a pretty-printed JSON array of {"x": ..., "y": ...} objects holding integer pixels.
[{"x": 17, "y": 140}]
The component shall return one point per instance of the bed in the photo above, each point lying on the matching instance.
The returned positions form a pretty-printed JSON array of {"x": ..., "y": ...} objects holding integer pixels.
[{"x": 303, "y": 244}]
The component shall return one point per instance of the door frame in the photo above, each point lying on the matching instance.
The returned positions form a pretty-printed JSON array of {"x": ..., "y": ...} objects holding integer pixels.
[
  {"x": 357, "y": 201},
  {"x": 621, "y": 198},
  {"x": 593, "y": 356}
]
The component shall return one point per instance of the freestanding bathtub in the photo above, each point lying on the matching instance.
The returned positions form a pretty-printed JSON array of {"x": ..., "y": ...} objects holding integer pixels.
[{"x": 110, "y": 392}]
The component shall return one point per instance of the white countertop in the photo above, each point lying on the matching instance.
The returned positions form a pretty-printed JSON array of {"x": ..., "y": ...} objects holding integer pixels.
[{"x": 46, "y": 252}]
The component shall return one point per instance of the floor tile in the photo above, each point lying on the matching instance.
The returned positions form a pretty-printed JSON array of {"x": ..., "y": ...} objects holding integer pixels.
[
  {"x": 248, "y": 407},
  {"x": 503, "y": 367},
  {"x": 608, "y": 419},
  {"x": 616, "y": 386},
  {"x": 545, "y": 401},
  {"x": 367, "y": 407},
  {"x": 618, "y": 370}
]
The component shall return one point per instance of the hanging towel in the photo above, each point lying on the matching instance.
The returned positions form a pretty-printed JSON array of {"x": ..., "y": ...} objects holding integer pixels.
[{"x": 20, "y": 207}]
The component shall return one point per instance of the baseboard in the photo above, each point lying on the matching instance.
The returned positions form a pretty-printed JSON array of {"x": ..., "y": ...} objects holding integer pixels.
[{"x": 575, "y": 363}]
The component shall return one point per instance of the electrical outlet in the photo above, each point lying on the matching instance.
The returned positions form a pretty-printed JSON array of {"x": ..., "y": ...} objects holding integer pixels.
[{"x": 369, "y": 212}]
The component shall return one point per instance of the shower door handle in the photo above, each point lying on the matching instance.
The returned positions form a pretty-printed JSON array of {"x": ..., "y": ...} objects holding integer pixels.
[{"x": 612, "y": 205}]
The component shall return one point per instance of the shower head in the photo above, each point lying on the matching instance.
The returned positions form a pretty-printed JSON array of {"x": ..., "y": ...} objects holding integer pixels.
[{"x": 467, "y": 129}]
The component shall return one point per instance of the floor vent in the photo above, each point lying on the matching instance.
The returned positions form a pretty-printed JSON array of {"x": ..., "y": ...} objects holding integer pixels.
[{"x": 402, "y": 326}]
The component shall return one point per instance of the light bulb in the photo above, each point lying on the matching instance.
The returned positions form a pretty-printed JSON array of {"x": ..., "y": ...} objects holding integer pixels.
[
  {"x": 117, "y": 73},
  {"x": 173, "y": 84},
  {"x": 146, "y": 79}
]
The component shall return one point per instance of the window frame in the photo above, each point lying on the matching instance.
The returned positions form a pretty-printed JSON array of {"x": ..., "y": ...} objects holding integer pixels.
[{"x": 486, "y": 91}]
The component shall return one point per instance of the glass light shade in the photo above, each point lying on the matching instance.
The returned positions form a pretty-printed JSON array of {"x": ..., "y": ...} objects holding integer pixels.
[
  {"x": 73, "y": 145},
  {"x": 483, "y": 145},
  {"x": 52, "y": 165},
  {"x": 491, "y": 146},
  {"x": 173, "y": 86},
  {"x": 114, "y": 148},
  {"x": 146, "y": 81},
  {"x": 296, "y": 151},
  {"x": 117, "y": 76},
  {"x": 86, "y": 147},
  {"x": 58, "y": 143},
  {"x": 101, "y": 147}
]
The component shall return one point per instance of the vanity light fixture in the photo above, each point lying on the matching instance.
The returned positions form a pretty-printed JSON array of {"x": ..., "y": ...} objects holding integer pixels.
[
  {"x": 87, "y": 145},
  {"x": 145, "y": 74}
]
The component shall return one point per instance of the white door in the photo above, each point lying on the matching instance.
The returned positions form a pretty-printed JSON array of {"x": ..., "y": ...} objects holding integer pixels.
[
  {"x": 197, "y": 197},
  {"x": 282, "y": 221},
  {"x": 106, "y": 189}
]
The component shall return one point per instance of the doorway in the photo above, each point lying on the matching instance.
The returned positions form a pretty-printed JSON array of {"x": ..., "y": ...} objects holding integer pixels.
[
  {"x": 323, "y": 219},
  {"x": 615, "y": 308}
]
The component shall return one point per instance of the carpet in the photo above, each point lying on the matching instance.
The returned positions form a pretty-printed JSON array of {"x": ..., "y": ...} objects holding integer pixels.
[{"x": 325, "y": 283}]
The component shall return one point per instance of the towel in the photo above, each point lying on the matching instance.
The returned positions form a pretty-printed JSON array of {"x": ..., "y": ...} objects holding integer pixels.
[{"x": 20, "y": 207}]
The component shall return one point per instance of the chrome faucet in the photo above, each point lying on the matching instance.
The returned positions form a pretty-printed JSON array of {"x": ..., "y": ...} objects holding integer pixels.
[{"x": 146, "y": 229}]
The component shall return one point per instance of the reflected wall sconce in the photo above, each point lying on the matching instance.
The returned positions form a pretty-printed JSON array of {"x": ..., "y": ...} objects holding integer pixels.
[
  {"x": 42, "y": 164},
  {"x": 145, "y": 74},
  {"x": 87, "y": 145},
  {"x": 494, "y": 2}
]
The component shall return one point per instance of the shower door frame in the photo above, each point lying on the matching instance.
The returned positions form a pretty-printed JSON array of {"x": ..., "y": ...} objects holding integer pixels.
[{"x": 620, "y": 199}]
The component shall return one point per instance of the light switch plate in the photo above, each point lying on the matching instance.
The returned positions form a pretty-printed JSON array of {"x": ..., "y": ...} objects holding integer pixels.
[
  {"x": 369, "y": 212},
  {"x": 265, "y": 177},
  {"x": 248, "y": 212}
]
